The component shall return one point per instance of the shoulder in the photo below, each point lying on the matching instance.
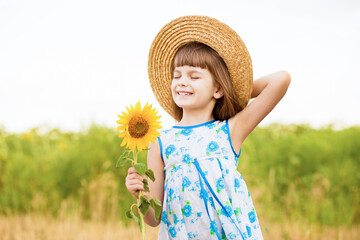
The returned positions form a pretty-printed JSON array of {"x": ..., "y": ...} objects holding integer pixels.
[{"x": 154, "y": 154}]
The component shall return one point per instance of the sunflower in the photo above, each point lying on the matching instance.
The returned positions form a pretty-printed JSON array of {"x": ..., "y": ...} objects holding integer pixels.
[{"x": 138, "y": 126}]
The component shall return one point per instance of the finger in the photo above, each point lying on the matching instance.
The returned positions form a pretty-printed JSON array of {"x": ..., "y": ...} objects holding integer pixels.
[
  {"x": 135, "y": 181},
  {"x": 133, "y": 171},
  {"x": 136, "y": 187},
  {"x": 135, "y": 176}
]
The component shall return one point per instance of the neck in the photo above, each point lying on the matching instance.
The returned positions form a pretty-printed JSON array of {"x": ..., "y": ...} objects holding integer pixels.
[{"x": 194, "y": 117}]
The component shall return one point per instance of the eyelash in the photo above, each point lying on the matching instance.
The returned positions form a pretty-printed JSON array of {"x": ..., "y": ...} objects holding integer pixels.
[{"x": 191, "y": 78}]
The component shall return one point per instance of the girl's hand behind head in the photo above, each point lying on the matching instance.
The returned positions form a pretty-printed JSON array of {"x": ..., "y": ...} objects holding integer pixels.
[{"x": 134, "y": 182}]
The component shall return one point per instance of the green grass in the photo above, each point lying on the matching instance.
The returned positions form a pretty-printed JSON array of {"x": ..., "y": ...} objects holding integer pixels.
[{"x": 301, "y": 173}]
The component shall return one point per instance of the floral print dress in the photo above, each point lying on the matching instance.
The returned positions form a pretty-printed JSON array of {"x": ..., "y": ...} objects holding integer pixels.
[{"x": 205, "y": 197}]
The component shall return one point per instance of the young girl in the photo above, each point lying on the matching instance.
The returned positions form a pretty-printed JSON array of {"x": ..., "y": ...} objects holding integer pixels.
[{"x": 203, "y": 62}]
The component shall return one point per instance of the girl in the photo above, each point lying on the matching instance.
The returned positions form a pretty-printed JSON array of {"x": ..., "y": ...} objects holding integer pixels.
[{"x": 208, "y": 70}]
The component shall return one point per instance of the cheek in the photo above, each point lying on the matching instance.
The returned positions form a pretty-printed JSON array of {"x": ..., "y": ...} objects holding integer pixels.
[{"x": 172, "y": 89}]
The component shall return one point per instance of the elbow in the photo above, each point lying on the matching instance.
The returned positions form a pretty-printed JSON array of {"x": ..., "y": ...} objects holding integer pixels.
[
  {"x": 154, "y": 224},
  {"x": 286, "y": 78}
]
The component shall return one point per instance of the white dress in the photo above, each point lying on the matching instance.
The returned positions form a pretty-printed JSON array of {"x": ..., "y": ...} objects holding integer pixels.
[{"x": 205, "y": 197}]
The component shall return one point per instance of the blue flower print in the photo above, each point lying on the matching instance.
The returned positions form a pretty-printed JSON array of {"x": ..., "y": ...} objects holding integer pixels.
[
  {"x": 186, "y": 159},
  {"x": 252, "y": 216},
  {"x": 225, "y": 129},
  {"x": 232, "y": 236},
  {"x": 175, "y": 219},
  {"x": 227, "y": 211},
  {"x": 212, "y": 147},
  {"x": 192, "y": 235},
  {"x": 213, "y": 227},
  {"x": 186, "y": 183},
  {"x": 169, "y": 150},
  {"x": 172, "y": 232},
  {"x": 175, "y": 169},
  {"x": 237, "y": 184},
  {"x": 211, "y": 125},
  {"x": 171, "y": 192},
  {"x": 163, "y": 217},
  {"x": 237, "y": 211},
  {"x": 186, "y": 132},
  {"x": 187, "y": 210},
  {"x": 219, "y": 184},
  {"x": 248, "y": 229},
  {"x": 204, "y": 194}
]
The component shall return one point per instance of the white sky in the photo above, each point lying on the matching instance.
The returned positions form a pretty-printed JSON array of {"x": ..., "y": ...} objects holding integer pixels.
[{"x": 68, "y": 64}]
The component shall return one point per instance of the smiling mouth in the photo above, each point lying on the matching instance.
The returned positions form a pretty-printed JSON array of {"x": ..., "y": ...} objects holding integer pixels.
[{"x": 184, "y": 93}]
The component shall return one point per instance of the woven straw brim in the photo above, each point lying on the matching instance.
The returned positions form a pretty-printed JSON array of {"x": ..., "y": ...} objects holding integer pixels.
[{"x": 225, "y": 41}]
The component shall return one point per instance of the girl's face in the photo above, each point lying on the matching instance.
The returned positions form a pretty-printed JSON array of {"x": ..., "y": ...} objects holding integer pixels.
[{"x": 194, "y": 88}]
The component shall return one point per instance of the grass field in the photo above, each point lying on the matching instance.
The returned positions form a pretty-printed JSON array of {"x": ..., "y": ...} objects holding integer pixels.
[
  {"x": 305, "y": 183},
  {"x": 35, "y": 227}
]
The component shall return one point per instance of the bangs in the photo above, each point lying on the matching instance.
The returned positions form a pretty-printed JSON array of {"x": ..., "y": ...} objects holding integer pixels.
[{"x": 195, "y": 54}]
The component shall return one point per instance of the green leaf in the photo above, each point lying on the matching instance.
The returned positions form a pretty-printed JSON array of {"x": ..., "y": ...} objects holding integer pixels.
[
  {"x": 150, "y": 174},
  {"x": 156, "y": 205},
  {"x": 122, "y": 162},
  {"x": 125, "y": 154},
  {"x": 146, "y": 185},
  {"x": 123, "y": 159},
  {"x": 140, "y": 168},
  {"x": 156, "y": 201},
  {"x": 144, "y": 205},
  {"x": 134, "y": 210},
  {"x": 131, "y": 215}
]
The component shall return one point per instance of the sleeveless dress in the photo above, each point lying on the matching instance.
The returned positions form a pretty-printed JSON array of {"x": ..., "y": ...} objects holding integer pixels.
[{"x": 205, "y": 197}]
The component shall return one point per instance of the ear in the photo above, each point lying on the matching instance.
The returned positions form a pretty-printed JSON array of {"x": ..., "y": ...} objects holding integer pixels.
[{"x": 218, "y": 92}]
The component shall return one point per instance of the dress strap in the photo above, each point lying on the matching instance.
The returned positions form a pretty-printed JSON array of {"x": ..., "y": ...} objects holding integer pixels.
[
  {"x": 205, "y": 197},
  {"x": 201, "y": 173}
]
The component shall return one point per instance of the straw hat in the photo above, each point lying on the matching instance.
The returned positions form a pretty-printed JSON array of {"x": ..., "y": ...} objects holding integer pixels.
[{"x": 209, "y": 31}]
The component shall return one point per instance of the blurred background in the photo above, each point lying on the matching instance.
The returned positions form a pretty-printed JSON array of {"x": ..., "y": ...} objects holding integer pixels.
[{"x": 67, "y": 68}]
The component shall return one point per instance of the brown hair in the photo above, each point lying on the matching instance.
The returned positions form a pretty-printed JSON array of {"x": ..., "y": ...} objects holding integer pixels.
[{"x": 197, "y": 54}]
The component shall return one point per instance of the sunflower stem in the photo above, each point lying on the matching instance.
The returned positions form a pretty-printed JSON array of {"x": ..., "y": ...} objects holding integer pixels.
[
  {"x": 142, "y": 220},
  {"x": 135, "y": 154}
]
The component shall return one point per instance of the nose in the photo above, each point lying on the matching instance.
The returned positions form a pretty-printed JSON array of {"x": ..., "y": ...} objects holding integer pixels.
[{"x": 182, "y": 81}]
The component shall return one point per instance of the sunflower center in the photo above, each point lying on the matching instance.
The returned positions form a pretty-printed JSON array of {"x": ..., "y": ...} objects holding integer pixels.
[{"x": 138, "y": 127}]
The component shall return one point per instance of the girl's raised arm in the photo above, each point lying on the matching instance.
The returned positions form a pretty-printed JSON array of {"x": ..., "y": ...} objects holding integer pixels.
[{"x": 267, "y": 91}]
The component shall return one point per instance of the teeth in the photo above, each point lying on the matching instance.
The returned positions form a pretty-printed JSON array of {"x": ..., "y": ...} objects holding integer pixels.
[{"x": 183, "y": 93}]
